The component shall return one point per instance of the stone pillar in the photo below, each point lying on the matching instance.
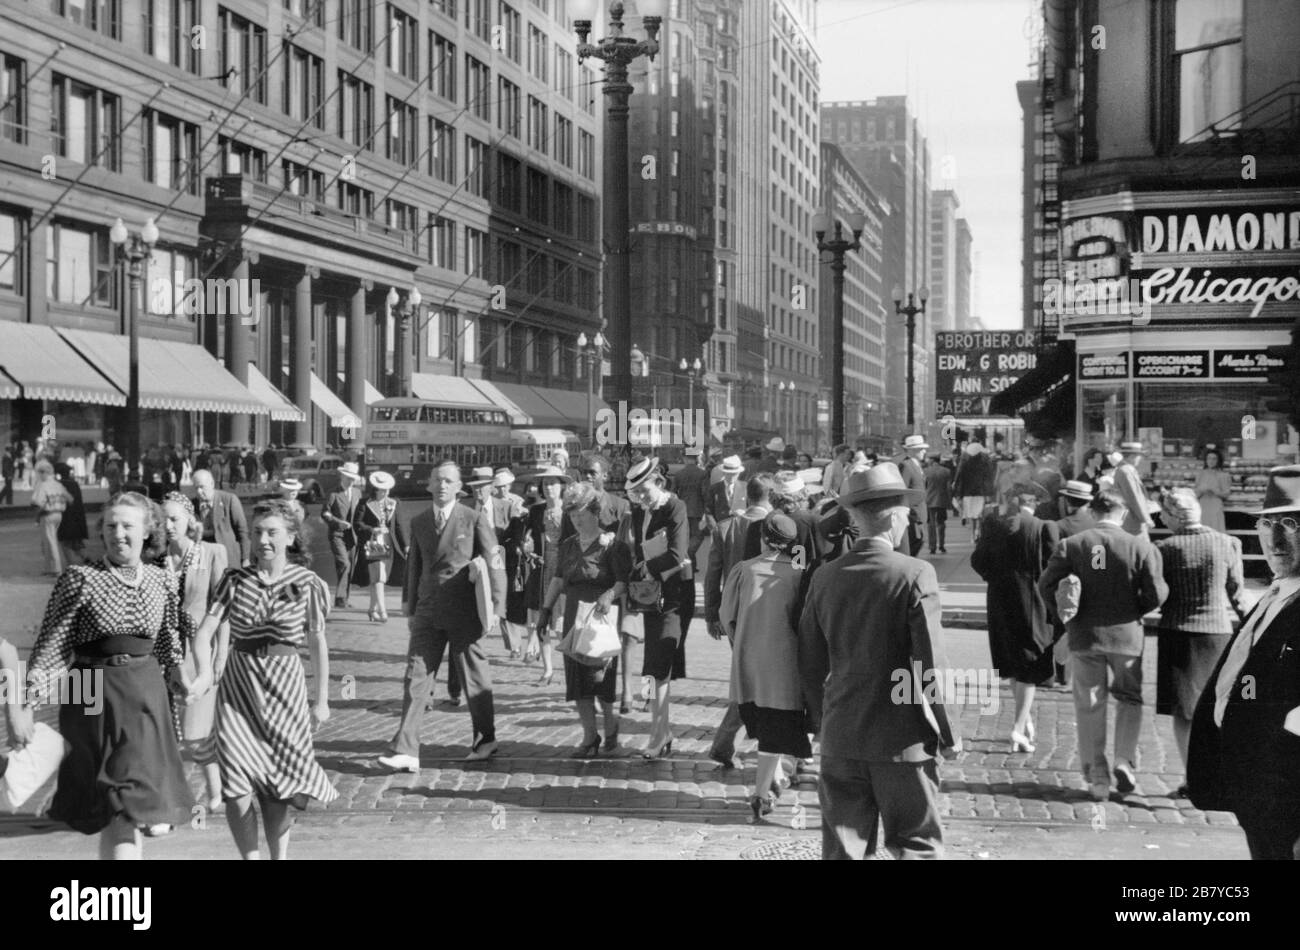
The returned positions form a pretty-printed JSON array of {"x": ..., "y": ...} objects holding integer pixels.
[
  {"x": 357, "y": 356},
  {"x": 301, "y": 367},
  {"x": 239, "y": 341}
]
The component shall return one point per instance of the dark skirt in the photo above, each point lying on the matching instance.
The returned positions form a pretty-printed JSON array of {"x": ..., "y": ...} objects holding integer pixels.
[
  {"x": 123, "y": 758},
  {"x": 665, "y": 645},
  {"x": 778, "y": 731},
  {"x": 590, "y": 682},
  {"x": 1184, "y": 664}
]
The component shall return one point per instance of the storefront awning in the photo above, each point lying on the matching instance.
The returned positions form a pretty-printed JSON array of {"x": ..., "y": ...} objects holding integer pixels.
[
  {"x": 518, "y": 415},
  {"x": 550, "y": 408},
  {"x": 323, "y": 398},
  {"x": 178, "y": 376},
  {"x": 373, "y": 395},
  {"x": 1054, "y": 369},
  {"x": 453, "y": 391},
  {"x": 37, "y": 363},
  {"x": 282, "y": 410}
]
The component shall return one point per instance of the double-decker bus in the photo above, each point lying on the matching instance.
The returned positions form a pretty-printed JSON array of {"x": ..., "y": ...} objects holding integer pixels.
[
  {"x": 534, "y": 446},
  {"x": 406, "y": 437}
]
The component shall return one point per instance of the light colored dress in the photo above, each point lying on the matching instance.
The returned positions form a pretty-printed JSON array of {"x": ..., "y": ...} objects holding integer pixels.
[{"x": 1213, "y": 485}]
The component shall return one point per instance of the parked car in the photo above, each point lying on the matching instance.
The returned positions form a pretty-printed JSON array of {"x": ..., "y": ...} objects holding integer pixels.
[{"x": 319, "y": 474}]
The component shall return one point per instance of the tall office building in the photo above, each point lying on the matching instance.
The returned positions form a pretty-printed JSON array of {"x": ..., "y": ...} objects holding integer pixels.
[
  {"x": 883, "y": 140},
  {"x": 943, "y": 259},
  {"x": 962, "y": 307},
  {"x": 322, "y": 154},
  {"x": 844, "y": 192},
  {"x": 1040, "y": 203}
]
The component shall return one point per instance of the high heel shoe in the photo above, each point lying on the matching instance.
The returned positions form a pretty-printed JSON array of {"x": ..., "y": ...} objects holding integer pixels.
[
  {"x": 624, "y": 709},
  {"x": 546, "y": 678},
  {"x": 1019, "y": 743},
  {"x": 611, "y": 743},
  {"x": 761, "y": 805},
  {"x": 374, "y": 615},
  {"x": 588, "y": 750},
  {"x": 1029, "y": 730},
  {"x": 663, "y": 752}
]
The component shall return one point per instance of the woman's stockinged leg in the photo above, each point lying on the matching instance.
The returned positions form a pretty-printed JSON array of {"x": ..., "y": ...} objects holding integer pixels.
[
  {"x": 277, "y": 821},
  {"x": 242, "y": 820}
]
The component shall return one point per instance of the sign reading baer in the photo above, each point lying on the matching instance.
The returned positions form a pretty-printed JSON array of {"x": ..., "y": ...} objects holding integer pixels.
[{"x": 972, "y": 367}]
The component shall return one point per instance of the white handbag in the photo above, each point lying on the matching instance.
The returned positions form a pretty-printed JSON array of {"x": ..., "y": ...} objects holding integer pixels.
[
  {"x": 31, "y": 767},
  {"x": 597, "y": 636}
]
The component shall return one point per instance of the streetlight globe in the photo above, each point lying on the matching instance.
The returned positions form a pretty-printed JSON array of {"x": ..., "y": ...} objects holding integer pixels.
[
  {"x": 657, "y": 8},
  {"x": 924, "y": 294},
  {"x": 697, "y": 365},
  {"x": 392, "y": 297},
  {"x": 117, "y": 233},
  {"x": 584, "y": 9},
  {"x": 582, "y": 341},
  {"x": 897, "y": 294},
  {"x": 681, "y": 364},
  {"x": 150, "y": 232},
  {"x": 821, "y": 223},
  {"x": 857, "y": 221},
  {"x": 414, "y": 296},
  {"x": 599, "y": 341}
]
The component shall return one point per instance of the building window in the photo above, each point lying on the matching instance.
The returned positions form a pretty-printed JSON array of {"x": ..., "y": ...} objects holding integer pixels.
[
  {"x": 478, "y": 18},
  {"x": 563, "y": 140},
  {"x": 562, "y": 208},
  {"x": 403, "y": 139},
  {"x": 165, "y": 282},
  {"x": 586, "y": 218},
  {"x": 171, "y": 35},
  {"x": 356, "y": 23},
  {"x": 475, "y": 251},
  {"x": 537, "y": 125},
  {"x": 356, "y": 112},
  {"x": 509, "y": 107},
  {"x": 538, "y": 48},
  {"x": 243, "y": 56},
  {"x": 442, "y": 67},
  {"x": 355, "y": 200},
  {"x": 509, "y": 18},
  {"x": 446, "y": 7},
  {"x": 403, "y": 44},
  {"x": 1208, "y": 66},
  {"x": 13, "y": 99},
  {"x": 303, "y": 181},
  {"x": 432, "y": 339},
  {"x": 586, "y": 154},
  {"x": 509, "y": 189},
  {"x": 442, "y": 151},
  {"x": 539, "y": 193},
  {"x": 476, "y": 178},
  {"x": 564, "y": 72},
  {"x": 442, "y": 242},
  {"x": 102, "y": 16},
  {"x": 478, "y": 79},
  {"x": 304, "y": 86},
  {"x": 448, "y": 320},
  {"x": 252, "y": 161},
  {"x": 85, "y": 123},
  {"x": 79, "y": 265},
  {"x": 171, "y": 150},
  {"x": 11, "y": 252},
  {"x": 311, "y": 10},
  {"x": 402, "y": 217}
]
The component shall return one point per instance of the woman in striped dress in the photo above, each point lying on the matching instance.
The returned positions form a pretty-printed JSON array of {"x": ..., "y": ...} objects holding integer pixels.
[{"x": 264, "y": 724}]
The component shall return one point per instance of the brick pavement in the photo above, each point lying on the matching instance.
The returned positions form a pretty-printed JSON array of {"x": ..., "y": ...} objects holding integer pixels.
[{"x": 998, "y": 803}]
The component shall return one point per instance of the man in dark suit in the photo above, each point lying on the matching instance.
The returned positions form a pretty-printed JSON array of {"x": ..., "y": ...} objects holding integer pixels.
[
  {"x": 690, "y": 485},
  {"x": 726, "y": 551},
  {"x": 1245, "y": 742},
  {"x": 913, "y": 471},
  {"x": 725, "y": 497},
  {"x": 1121, "y": 579},
  {"x": 338, "y": 512},
  {"x": 872, "y": 662},
  {"x": 442, "y": 612},
  {"x": 222, "y": 517},
  {"x": 938, "y": 499}
]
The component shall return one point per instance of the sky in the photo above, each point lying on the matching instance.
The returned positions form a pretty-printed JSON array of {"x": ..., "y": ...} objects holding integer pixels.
[{"x": 957, "y": 61}]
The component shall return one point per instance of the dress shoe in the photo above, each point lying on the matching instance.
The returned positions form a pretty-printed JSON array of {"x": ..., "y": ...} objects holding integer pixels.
[
  {"x": 340, "y": 602},
  {"x": 1100, "y": 791},
  {"x": 1125, "y": 781},
  {"x": 483, "y": 749},
  {"x": 727, "y": 761},
  {"x": 400, "y": 763},
  {"x": 1020, "y": 742},
  {"x": 451, "y": 702}
]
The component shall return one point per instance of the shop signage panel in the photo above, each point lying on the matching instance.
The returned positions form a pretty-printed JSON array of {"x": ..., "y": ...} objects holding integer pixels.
[
  {"x": 971, "y": 367},
  {"x": 1171, "y": 364},
  {"x": 1244, "y": 364},
  {"x": 1103, "y": 366}
]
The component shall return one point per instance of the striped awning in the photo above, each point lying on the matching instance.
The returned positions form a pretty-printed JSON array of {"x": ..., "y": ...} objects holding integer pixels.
[
  {"x": 282, "y": 409},
  {"x": 37, "y": 363},
  {"x": 178, "y": 376},
  {"x": 341, "y": 417}
]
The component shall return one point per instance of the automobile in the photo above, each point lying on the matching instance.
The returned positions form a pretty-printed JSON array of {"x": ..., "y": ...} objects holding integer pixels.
[{"x": 319, "y": 474}]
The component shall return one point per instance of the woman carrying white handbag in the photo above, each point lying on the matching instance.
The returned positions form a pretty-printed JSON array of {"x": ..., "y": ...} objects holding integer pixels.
[{"x": 592, "y": 569}]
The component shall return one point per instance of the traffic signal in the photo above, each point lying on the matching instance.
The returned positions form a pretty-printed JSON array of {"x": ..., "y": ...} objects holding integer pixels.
[{"x": 1284, "y": 374}]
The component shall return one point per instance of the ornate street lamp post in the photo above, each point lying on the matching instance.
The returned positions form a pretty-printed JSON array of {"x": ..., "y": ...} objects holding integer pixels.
[
  {"x": 910, "y": 311},
  {"x": 592, "y": 352},
  {"x": 838, "y": 246},
  {"x": 404, "y": 312},
  {"x": 133, "y": 250},
  {"x": 618, "y": 52}
]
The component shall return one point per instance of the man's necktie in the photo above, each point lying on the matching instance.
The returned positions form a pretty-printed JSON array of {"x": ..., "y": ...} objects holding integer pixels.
[{"x": 439, "y": 520}]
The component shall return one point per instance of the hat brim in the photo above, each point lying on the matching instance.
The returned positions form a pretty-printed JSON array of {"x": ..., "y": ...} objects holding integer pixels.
[
  {"x": 1278, "y": 509},
  {"x": 1076, "y": 497},
  {"x": 907, "y": 496}
]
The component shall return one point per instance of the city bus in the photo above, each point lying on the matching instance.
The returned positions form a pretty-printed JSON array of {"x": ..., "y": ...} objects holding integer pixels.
[
  {"x": 406, "y": 437},
  {"x": 534, "y": 446}
]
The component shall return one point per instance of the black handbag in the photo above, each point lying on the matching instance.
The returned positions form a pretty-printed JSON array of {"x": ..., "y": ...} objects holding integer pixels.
[{"x": 645, "y": 596}]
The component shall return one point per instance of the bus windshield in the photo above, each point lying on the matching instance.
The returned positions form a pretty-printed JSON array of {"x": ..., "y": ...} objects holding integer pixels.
[{"x": 395, "y": 414}]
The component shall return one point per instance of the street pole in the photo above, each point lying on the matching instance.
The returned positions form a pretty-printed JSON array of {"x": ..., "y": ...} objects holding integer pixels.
[
  {"x": 838, "y": 247},
  {"x": 591, "y": 422},
  {"x": 618, "y": 52},
  {"x": 910, "y": 311},
  {"x": 133, "y": 249}
]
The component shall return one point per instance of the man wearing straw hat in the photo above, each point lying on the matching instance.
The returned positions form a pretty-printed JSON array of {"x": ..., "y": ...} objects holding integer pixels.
[
  {"x": 1129, "y": 485},
  {"x": 725, "y": 497},
  {"x": 339, "y": 510},
  {"x": 913, "y": 472},
  {"x": 872, "y": 661}
]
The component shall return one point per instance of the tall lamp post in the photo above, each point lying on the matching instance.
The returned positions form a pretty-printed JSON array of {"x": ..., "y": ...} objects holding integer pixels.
[
  {"x": 694, "y": 371},
  {"x": 838, "y": 246},
  {"x": 133, "y": 250},
  {"x": 618, "y": 52},
  {"x": 592, "y": 350},
  {"x": 403, "y": 311},
  {"x": 910, "y": 311}
]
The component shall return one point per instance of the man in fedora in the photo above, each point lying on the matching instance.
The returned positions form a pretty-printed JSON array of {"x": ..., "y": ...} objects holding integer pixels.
[
  {"x": 690, "y": 484},
  {"x": 771, "y": 462},
  {"x": 1245, "y": 744},
  {"x": 1121, "y": 580},
  {"x": 1128, "y": 482},
  {"x": 872, "y": 661},
  {"x": 340, "y": 508},
  {"x": 1074, "y": 497},
  {"x": 439, "y": 600},
  {"x": 725, "y": 497},
  {"x": 913, "y": 472}
]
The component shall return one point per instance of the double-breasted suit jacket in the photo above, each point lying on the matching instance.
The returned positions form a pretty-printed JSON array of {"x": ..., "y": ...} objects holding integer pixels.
[{"x": 439, "y": 593}]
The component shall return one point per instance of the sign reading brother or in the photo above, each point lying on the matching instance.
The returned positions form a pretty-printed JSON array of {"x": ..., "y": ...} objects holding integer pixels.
[{"x": 972, "y": 367}]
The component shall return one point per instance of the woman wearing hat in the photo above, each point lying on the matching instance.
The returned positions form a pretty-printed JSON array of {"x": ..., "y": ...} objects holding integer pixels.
[
  {"x": 513, "y": 538},
  {"x": 380, "y": 538},
  {"x": 545, "y": 525},
  {"x": 660, "y": 515},
  {"x": 973, "y": 485},
  {"x": 761, "y": 603}
]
